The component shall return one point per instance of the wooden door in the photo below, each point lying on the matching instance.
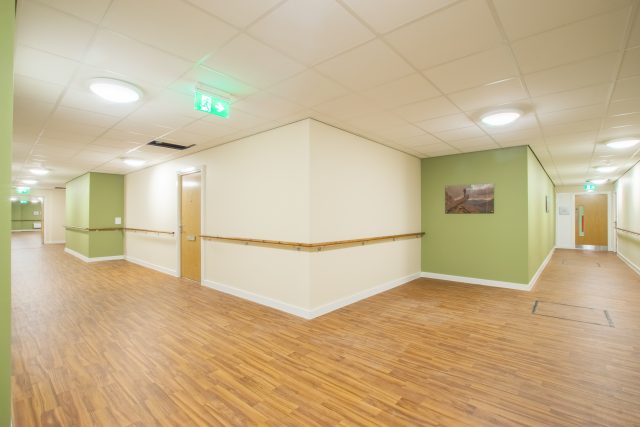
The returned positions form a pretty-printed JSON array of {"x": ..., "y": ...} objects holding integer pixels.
[
  {"x": 591, "y": 220},
  {"x": 190, "y": 186}
]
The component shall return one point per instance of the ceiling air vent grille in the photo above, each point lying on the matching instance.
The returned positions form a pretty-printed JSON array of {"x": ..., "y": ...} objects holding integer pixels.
[{"x": 170, "y": 145}]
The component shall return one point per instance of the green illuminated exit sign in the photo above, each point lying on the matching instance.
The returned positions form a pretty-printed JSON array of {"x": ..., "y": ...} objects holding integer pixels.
[
  {"x": 589, "y": 187},
  {"x": 211, "y": 104},
  {"x": 23, "y": 190}
]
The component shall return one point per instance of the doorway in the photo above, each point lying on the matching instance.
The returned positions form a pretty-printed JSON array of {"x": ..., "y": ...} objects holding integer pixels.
[
  {"x": 592, "y": 222},
  {"x": 190, "y": 212}
]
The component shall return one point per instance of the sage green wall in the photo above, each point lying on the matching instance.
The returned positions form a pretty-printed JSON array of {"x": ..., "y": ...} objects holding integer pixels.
[
  {"x": 628, "y": 208},
  {"x": 94, "y": 200},
  {"x": 7, "y": 15},
  {"x": 485, "y": 246},
  {"x": 106, "y": 203},
  {"x": 77, "y": 214},
  {"x": 542, "y": 224},
  {"x": 22, "y": 216}
]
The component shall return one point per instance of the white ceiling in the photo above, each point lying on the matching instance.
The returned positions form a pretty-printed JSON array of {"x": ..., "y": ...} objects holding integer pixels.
[{"x": 412, "y": 74}]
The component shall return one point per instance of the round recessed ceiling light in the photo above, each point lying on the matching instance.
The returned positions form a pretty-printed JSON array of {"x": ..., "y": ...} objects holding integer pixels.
[
  {"x": 501, "y": 117},
  {"x": 115, "y": 90},
  {"x": 606, "y": 169},
  {"x": 29, "y": 181},
  {"x": 623, "y": 143},
  {"x": 598, "y": 181},
  {"x": 39, "y": 171},
  {"x": 134, "y": 162}
]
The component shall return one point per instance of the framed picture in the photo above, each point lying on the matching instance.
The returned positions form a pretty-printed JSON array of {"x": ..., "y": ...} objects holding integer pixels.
[{"x": 469, "y": 199}]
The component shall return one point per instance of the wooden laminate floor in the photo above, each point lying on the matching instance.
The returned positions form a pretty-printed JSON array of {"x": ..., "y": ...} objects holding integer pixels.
[{"x": 115, "y": 344}]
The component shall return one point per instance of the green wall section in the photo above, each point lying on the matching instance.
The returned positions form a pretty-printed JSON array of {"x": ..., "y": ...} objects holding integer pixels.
[
  {"x": 106, "y": 202},
  {"x": 484, "y": 246},
  {"x": 77, "y": 214},
  {"x": 23, "y": 217},
  {"x": 7, "y": 21},
  {"x": 496, "y": 246},
  {"x": 94, "y": 200},
  {"x": 541, "y": 224}
]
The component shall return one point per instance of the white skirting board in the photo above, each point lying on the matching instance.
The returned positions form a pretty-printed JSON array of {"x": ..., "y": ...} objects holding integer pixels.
[
  {"x": 155, "y": 267},
  {"x": 494, "y": 283},
  {"x": 627, "y": 261},
  {"x": 304, "y": 312},
  {"x": 95, "y": 259}
]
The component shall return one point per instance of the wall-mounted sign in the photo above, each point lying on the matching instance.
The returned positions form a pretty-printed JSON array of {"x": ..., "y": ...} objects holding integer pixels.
[
  {"x": 589, "y": 187},
  {"x": 23, "y": 190},
  {"x": 211, "y": 104},
  {"x": 24, "y": 202}
]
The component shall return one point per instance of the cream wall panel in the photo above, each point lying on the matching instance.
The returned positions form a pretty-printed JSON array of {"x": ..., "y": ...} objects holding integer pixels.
[
  {"x": 360, "y": 189},
  {"x": 628, "y": 208}
]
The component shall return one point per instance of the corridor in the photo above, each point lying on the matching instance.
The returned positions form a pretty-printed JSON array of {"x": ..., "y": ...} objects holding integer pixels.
[{"x": 115, "y": 344}]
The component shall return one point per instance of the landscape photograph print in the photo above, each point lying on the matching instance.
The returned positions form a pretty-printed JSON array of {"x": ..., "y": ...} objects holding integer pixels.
[{"x": 469, "y": 199}]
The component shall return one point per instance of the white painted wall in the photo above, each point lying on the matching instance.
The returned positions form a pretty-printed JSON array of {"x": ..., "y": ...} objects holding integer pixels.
[
  {"x": 628, "y": 211},
  {"x": 360, "y": 189},
  {"x": 304, "y": 182},
  {"x": 256, "y": 187},
  {"x": 564, "y": 221},
  {"x": 54, "y": 216}
]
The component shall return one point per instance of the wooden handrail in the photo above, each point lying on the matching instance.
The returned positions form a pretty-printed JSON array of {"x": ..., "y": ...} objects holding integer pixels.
[
  {"x": 71, "y": 227},
  {"x": 317, "y": 246},
  {"x": 628, "y": 231},
  {"x": 143, "y": 230}
]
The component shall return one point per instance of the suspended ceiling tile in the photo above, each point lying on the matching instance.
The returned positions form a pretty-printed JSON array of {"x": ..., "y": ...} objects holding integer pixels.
[
  {"x": 460, "y": 134},
  {"x": 399, "y": 132},
  {"x": 425, "y": 110},
  {"x": 441, "y": 124},
  {"x": 74, "y": 116},
  {"x": 522, "y": 18},
  {"x": 384, "y": 15},
  {"x": 36, "y": 26},
  {"x": 491, "y": 95},
  {"x": 36, "y": 90},
  {"x": 625, "y": 106},
  {"x": 207, "y": 79},
  {"x": 366, "y": 66},
  {"x": 120, "y": 54},
  {"x": 348, "y": 106},
  {"x": 572, "y": 115},
  {"x": 311, "y": 30},
  {"x": 457, "y": 31},
  {"x": 267, "y": 106},
  {"x": 253, "y": 62},
  {"x": 194, "y": 35},
  {"x": 581, "y": 40},
  {"x": 600, "y": 69},
  {"x": 420, "y": 140},
  {"x": 627, "y": 88},
  {"x": 572, "y": 98},
  {"x": 43, "y": 66},
  {"x": 308, "y": 88},
  {"x": 90, "y": 10},
  {"x": 406, "y": 90},
  {"x": 474, "y": 70},
  {"x": 631, "y": 63},
  {"x": 238, "y": 13}
]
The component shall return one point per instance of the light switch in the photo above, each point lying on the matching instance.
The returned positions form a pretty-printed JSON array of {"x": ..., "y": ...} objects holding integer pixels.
[{"x": 118, "y": 220}]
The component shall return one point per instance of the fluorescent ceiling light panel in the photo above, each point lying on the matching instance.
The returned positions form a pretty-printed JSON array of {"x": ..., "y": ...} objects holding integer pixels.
[
  {"x": 39, "y": 171},
  {"x": 501, "y": 117},
  {"x": 620, "y": 144},
  {"x": 134, "y": 162},
  {"x": 114, "y": 90},
  {"x": 606, "y": 169}
]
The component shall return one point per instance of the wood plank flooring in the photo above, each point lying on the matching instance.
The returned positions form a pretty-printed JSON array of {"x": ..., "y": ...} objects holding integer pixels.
[{"x": 115, "y": 344}]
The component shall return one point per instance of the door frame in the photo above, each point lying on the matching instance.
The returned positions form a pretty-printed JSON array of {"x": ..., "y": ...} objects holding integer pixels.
[
  {"x": 610, "y": 218},
  {"x": 203, "y": 185}
]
